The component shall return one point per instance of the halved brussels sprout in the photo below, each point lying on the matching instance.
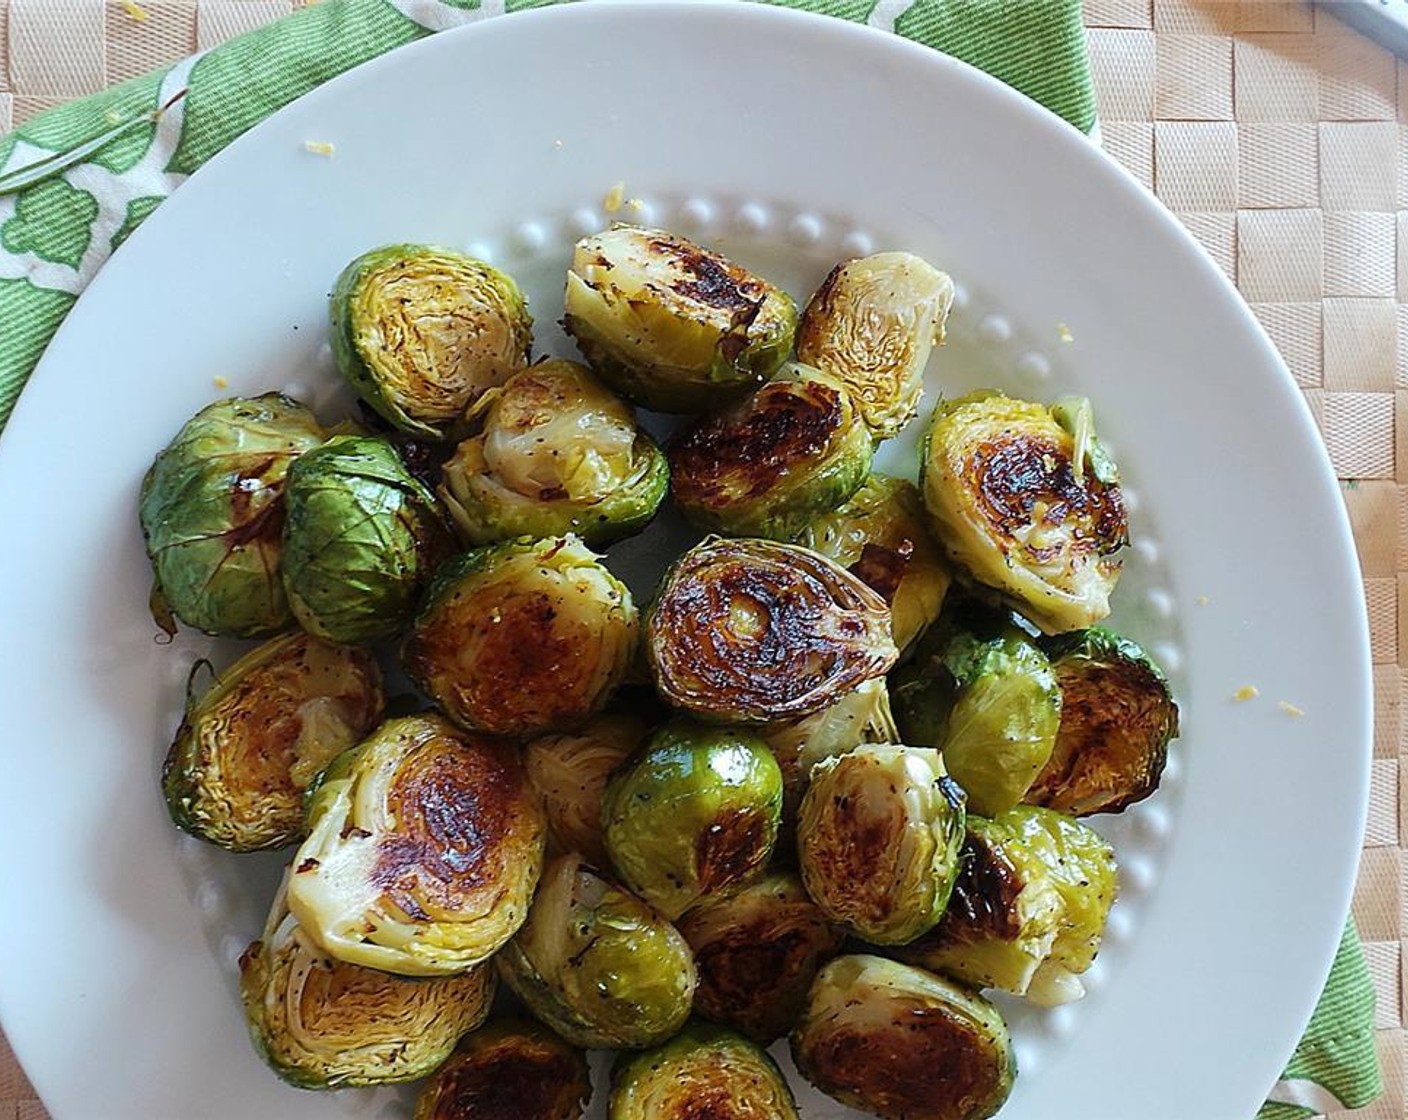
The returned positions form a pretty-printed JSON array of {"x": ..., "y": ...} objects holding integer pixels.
[
  {"x": 420, "y": 332},
  {"x": 671, "y": 325},
  {"x": 523, "y": 637},
  {"x": 754, "y": 631},
  {"x": 693, "y": 812},
  {"x": 598, "y": 965},
  {"x": 872, "y": 323},
  {"x": 248, "y": 748},
  {"x": 905, "y": 1045},
  {"x": 880, "y": 536},
  {"x": 361, "y": 541},
  {"x": 878, "y": 836},
  {"x": 508, "y": 1070},
  {"x": 757, "y": 950},
  {"x": 556, "y": 452},
  {"x": 424, "y": 846},
  {"x": 569, "y": 771},
  {"x": 1025, "y": 506},
  {"x": 770, "y": 464},
  {"x": 322, "y": 1023},
  {"x": 212, "y": 514},
  {"x": 703, "y": 1073},
  {"x": 1117, "y": 718}
]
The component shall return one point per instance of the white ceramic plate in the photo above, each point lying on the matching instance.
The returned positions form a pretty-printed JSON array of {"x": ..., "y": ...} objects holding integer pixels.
[{"x": 788, "y": 141}]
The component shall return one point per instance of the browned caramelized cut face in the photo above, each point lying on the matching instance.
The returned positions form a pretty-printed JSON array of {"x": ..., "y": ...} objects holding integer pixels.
[{"x": 508, "y": 1071}]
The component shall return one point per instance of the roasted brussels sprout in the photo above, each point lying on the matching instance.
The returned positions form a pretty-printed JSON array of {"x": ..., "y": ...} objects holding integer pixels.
[
  {"x": 1117, "y": 717},
  {"x": 598, "y": 965},
  {"x": 905, "y": 1045},
  {"x": 693, "y": 812},
  {"x": 424, "y": 846},
  {"x": 770, "y": 464},
  {"x": 508, "y": 1070},
  {"x": 212, "y": 514},
  {"x": 1026, "y": 502},
  {"x": 322, "y": 1023},
  {"x": 556, "y": 452},
  {"x": 757, "y": 950},
  {"x": 872, "y": 323},
  {"x": 361, "y": 540},
  {"x": 703, "y": 1071},
  {"x": 878, "y": 836},
  {"x": 880, "y": 536},
  {"x": 420, "y": 332},
  {"x": 754, "y": 631},
  {"x": 249, "y": 747},
  {"x": 569, "y": 771},
  {"x": 671, "y": 325},
  {"x": 523, "y": 637}
]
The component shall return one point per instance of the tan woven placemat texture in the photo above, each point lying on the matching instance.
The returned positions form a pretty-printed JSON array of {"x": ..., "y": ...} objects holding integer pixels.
[{"x": 1277, "y": 135}]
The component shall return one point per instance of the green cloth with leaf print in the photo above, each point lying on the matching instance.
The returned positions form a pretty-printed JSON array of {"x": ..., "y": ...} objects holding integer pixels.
[{"x": 56, "y": 234}]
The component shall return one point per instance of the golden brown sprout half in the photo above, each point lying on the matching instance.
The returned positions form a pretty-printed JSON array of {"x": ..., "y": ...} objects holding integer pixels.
[{"x": 508, "y": 1070}]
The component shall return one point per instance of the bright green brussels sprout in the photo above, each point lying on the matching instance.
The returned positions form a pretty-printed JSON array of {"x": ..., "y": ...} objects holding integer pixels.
[
  {"x": 424, "y": 846},
  {"x": 770, "y": 464},
  {"x": 903, "y": 1044},
  {"x": 508, "y": 1070},
  {"x": 878, "y": 836},
  {"x": 753, "y": 631},
  {"x": 671, "y": 325},
  {"x": 322, "y": 1023},
  {"x": 248, "y": 748},
  {"x": 523, "y": 637},
  {"x": 758, "y": 949},
  {"x": 420, "y": 332},
  {"x": 361, "y": 540},
  {"x": 693, "y": 812},
  {"x": 872, "y": 323},
  {"x": 880, "y": 536},
  {"x": 1026, "y": 502},
  {"x": 568, "y": 772},
  {"x": 703, "y": 1072},
  {"x": 1117, "y": 718},
  {"x": 598, "y": 965},
  {"x": 556, "y": 452},
  {"x": 990, "y": 704},
  {"x": 212, "y": 513}
]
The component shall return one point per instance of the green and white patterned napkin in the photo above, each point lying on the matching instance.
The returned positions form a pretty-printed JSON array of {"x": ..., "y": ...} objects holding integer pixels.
[{"x": 56, "y": 234}]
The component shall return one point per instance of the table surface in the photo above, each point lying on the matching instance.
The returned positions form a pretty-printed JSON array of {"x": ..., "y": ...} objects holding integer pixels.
[{"x": 1279, "y": 138}]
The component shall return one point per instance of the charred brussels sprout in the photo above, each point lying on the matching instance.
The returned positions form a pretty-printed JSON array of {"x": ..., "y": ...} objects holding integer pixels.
[
  {"x": 905, "y": 1045},
  {"x": 556, "y": 452},
  {"x": 322, "y": 1023},
  {"x": 753, "y": 631},
  {"x": 1117, "y": 718},
  {"x": 598, "y": 965},
  {"x": 1025, "y": 501},
  {"x": 212, "y": 514},
  {"x": 701, "y": 1072},
  {"x": 514, "y": 1070},
  {"x": 671, "y": 325},
  {"x": 248, "y": 748},
  {"x": 569, "y": 771},
  {"x": 420, "y": 332},
  {"x": 693, "y": 812},
  {"x": 770, "y": 464},
  {"x": 424, "y": 846},
  {"x": 872, "y": 323},
  {"x": 880, "y": 536},
  {"x": 878, "y": 837},
  {"x": 757, "y": 950},
  {"x": 523, "y": 637},
  {"x": 361, "y": 540}
]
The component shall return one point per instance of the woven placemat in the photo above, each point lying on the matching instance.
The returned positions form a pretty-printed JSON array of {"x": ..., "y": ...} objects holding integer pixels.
[{"x": 1277, "y": 135}]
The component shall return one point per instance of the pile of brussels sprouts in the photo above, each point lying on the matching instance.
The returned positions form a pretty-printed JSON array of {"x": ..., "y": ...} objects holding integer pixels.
[{"x": 826, "y": 785}]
